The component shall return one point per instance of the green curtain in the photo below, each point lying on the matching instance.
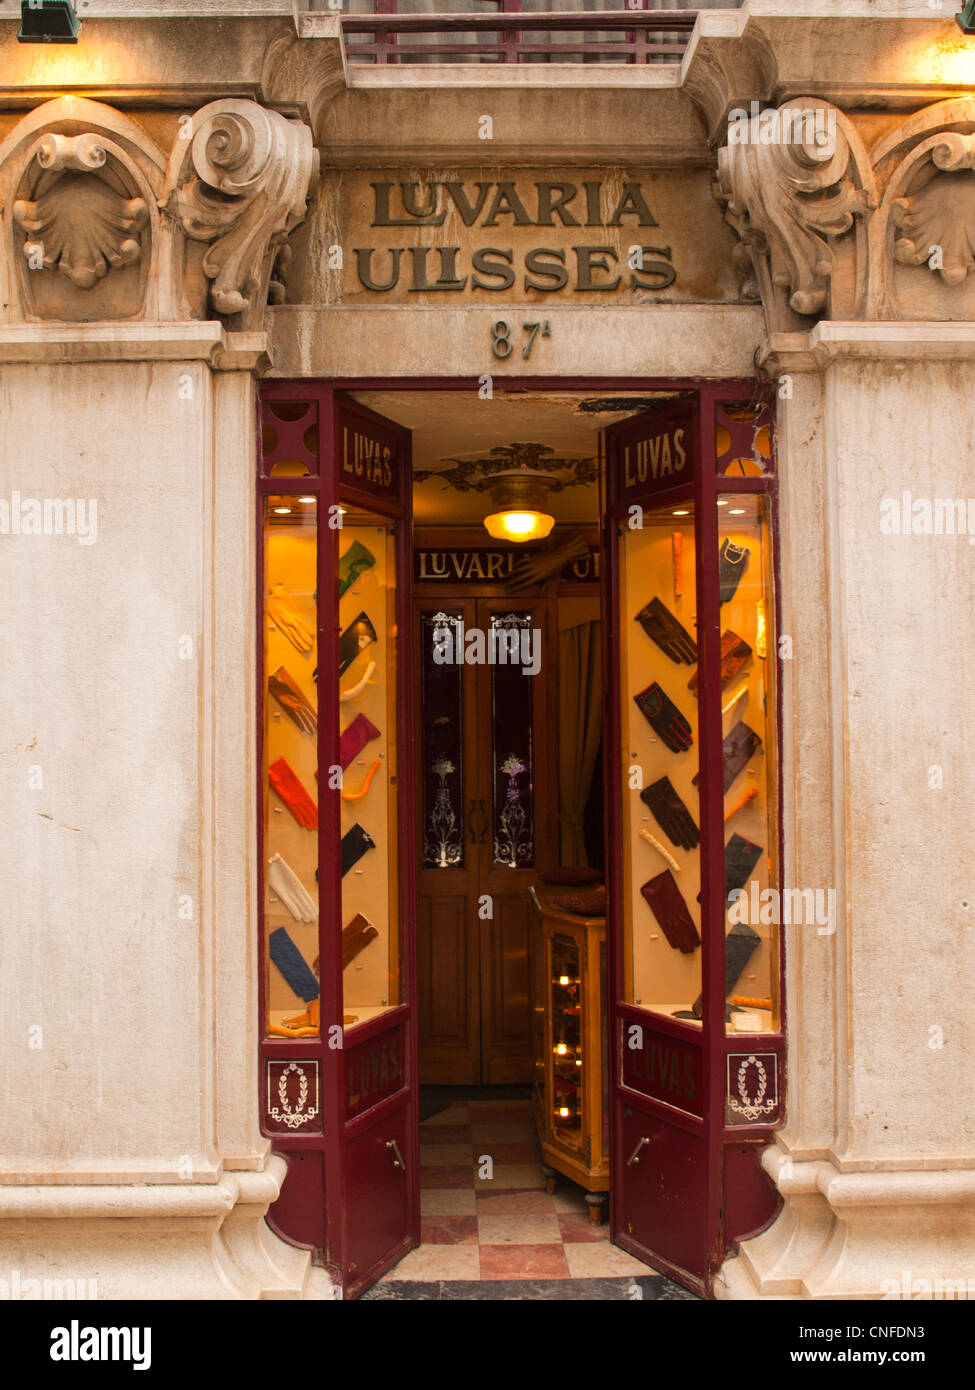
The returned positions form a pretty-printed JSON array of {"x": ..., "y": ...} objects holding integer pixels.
[{"x": 580, "y": 726}]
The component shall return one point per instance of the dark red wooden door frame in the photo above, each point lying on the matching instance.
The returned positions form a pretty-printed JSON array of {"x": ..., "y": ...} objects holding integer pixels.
[
  {"x": 313, "y": 1210},
  {"x": 727, "y": 1148}
]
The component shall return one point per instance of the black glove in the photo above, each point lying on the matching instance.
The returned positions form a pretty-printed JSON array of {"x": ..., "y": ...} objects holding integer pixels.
[
  {"x": 671, "y": 814},
  {"x": 739, "y": 947},
  {"x": 665, "y": 718},
  {"x": 355, "y": 842},
  {"x": 662, "y": 627},
  {"x": 669, "y": 908},
  {"x": 354, "y": 639},
  {"x": 740, "y": 857},
  {"x": 732, "y": 562}
]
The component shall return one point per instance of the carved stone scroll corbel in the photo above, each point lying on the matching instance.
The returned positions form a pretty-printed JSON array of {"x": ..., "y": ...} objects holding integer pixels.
[
  {"x": 241, "y": 184},
  {"x": 794, "y": 180}
]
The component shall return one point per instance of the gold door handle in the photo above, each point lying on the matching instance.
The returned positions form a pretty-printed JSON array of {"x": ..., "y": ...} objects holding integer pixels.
[
  {"x": 635, "y": 1155},
  {"x": 391, "y": 1145}
]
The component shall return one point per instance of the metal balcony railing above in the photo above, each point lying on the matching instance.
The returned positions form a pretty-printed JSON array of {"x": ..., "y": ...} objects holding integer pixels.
[{"x": 604, "y": 36}]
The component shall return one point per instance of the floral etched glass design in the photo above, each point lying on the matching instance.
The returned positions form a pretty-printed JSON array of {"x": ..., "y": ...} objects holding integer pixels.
[
  {"x": 511, "y": 743},
  {"x": 442, "y": 745}
]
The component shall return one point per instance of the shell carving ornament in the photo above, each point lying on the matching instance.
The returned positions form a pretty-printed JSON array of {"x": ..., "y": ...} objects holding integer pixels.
[
  {"x": 825, "y": 223},
  {"x": 939, "y": 211},
  {"x": 81, "y": 225}
]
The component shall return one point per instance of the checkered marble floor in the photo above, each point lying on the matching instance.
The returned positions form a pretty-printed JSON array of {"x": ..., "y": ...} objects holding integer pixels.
[{"x": 506, "y": 1227}]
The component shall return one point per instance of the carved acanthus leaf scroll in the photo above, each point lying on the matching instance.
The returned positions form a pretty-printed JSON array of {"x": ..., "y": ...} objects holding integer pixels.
[
  {"x": 792, "y": 180},
  {"x": 242, "y": 186}
]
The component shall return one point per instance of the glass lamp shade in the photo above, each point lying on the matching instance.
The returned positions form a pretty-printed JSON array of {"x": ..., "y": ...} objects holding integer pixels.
[
  {"x": 519, "y": 498},
  {"x": 519, "y": 525}
]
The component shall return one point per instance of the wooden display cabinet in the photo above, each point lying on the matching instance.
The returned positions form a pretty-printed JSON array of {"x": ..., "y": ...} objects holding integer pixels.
[{"x": 571, "y": 1077}]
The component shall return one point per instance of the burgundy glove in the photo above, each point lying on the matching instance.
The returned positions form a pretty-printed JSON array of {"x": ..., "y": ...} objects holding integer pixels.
[
  {"x": 289, "y": 788},
  {"x": 670, "y": 910},
  {"x": 735, "y": 651},
  {"x": 665, "y": 718},
  {"x": 741, "y": 744},
  {"x": 355, "y": 738}
]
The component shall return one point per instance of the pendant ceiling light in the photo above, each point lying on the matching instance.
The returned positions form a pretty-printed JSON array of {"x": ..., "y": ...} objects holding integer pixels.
[
  {"x": 519, "y": 499},
  {"x": 966, "y": 17}
]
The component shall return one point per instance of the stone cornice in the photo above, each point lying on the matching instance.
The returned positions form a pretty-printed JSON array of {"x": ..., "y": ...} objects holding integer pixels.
[
  {"x": 206, "y": 341},
  {"x": 832, "y": 341}
]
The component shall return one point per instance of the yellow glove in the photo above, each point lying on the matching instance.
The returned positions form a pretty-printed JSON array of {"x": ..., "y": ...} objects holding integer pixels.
[{"x": 286, "y": 620}]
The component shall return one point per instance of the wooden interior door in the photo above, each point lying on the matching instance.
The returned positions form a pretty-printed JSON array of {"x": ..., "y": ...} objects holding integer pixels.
[
  {"x": 517, "y": 776},
  {"x": 449, "y": 821},
  {"x": 487, "y": 820}
]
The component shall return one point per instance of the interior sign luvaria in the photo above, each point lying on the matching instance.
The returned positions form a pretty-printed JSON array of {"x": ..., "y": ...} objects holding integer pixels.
[{"x": 588, "y": 264}]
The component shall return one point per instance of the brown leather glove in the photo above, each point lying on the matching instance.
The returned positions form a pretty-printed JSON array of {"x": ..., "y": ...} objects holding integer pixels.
[
  {"x": 283, "y": 686},
  {"x": 735, "y": 651}
]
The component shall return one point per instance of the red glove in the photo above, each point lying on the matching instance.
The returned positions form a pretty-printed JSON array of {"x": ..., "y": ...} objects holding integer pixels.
[{"x": 289, "y": 788}]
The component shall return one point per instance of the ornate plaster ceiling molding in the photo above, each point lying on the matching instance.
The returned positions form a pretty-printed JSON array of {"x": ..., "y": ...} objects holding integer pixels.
[{"x": 481, "y": 474}]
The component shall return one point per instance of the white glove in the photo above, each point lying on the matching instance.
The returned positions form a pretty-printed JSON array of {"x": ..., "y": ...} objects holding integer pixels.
[{"x": 287, "y": 886}]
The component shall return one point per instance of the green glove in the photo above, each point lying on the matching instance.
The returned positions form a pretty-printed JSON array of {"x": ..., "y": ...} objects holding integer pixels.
[{"x": 356, "y": 559}]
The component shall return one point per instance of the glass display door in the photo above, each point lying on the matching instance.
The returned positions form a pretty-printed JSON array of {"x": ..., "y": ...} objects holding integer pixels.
[
  {"x": 693, "y": 828},
  {"x": 337, "y": 857}
]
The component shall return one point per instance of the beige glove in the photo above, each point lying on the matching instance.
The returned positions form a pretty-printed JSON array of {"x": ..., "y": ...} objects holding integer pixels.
[{"x": 286, "y": 620}]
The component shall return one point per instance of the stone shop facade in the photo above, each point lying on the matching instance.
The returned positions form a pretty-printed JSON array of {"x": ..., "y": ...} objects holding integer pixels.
[{"x": 206, "y": 209}]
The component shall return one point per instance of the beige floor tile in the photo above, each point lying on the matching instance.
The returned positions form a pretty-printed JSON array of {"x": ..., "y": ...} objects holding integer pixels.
[
  {"x": 569, "y": 1198},
  {"x": 448, "y": 1201},
  {"x": 439, "y": 1262},
  {"x": 527, "y": 1229},
  {"x": 589, "y": 1260},
  {"x": 444, "y": 1155},
  {"x": 511, "y": 1175}
]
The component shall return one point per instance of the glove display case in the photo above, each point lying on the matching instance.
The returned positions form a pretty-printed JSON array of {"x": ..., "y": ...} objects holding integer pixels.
[
  {"x": 571, "y": 1087},
  {"x": 697, "y": 903}
]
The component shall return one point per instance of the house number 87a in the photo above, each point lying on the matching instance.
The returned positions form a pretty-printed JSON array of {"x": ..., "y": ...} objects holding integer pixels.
[{"x": 502, "y": 346}]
